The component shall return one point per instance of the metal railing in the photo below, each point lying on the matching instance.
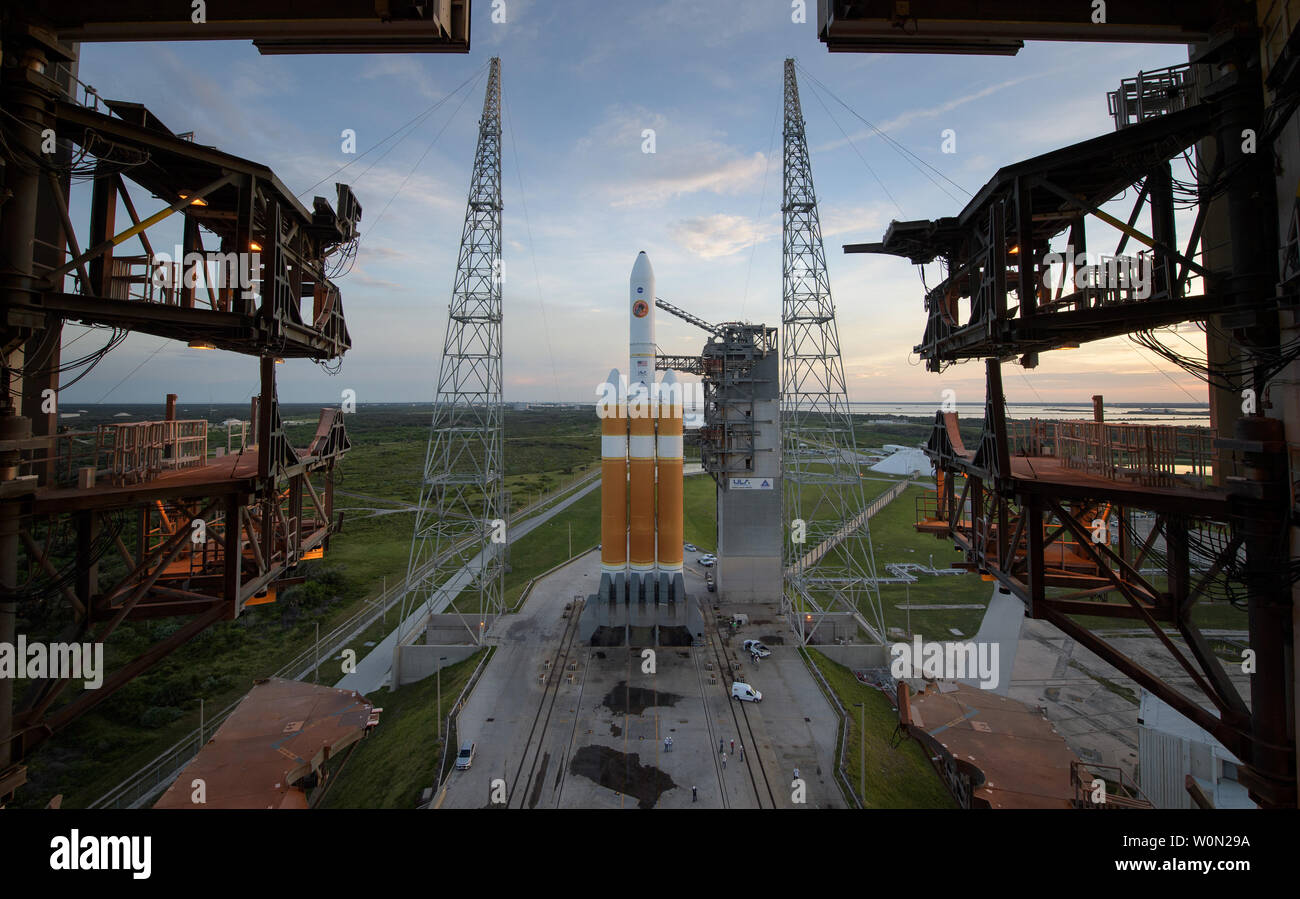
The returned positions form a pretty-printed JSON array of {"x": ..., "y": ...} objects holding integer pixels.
[
  {"x": 124, "y": 452},
  {"x": 835, "y": 539},
  {"x": 139, "y": 451},
  {"x": 1153, "y": 93},
  {"x": 841, "y": 733},
  {"x": 1150, "y": 455},
  {"x": 452, "y": 737}
]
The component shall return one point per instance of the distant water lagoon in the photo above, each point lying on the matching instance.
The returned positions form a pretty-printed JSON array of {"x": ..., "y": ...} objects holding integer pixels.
[{"x": 1189, "y": 414}]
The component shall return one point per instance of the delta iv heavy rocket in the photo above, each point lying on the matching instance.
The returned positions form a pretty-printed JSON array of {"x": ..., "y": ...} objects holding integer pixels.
[{"x": 641, "y": 466}]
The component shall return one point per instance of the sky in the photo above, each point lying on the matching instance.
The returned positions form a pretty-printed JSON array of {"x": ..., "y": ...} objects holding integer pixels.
[{"x": 581, "y": 81}]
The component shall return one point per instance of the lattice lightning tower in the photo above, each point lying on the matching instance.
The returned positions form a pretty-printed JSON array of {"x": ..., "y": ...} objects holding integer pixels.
[
  {"x": 834, "y": 569},
  {"x": 454, "y": 562}
]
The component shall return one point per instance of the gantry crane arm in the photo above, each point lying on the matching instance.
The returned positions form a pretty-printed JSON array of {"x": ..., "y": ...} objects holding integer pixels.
[{"x": 687, "y": 317}]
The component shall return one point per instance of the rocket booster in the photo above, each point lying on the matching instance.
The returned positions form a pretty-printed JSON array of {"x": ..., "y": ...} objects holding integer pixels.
[
  {"x": 641, "y": 465},
  {"x": 613, "y": 478},
  {"x": 668, "y": 453}
]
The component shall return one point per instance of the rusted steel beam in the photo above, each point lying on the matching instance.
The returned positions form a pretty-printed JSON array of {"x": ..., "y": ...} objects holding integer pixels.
[
  {"x": 1224, "y": 703},
  {"x": 1236, "y": 740}
]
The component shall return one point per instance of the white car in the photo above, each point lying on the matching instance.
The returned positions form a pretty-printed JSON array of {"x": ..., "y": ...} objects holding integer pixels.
[
  {"x": 692, "y": 548},
  {"x": 466, "y": 757},
  {"x": 743, "y": 692},
  {"x": 756, "y": 649},
  {"x": 706, "y": 561}
]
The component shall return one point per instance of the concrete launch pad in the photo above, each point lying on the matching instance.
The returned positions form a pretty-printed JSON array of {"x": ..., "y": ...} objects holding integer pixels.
[
  {"x": 561, "y": 724},
  {"x": 606, "y": 623}
]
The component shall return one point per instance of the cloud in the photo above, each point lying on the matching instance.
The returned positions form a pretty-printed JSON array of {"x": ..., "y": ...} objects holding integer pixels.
[
  {"x": 361, "y": 278},
  {"x": 714, "y": 169},
  {"x": 858, "y": 220},
  {"x": 904, "y": 119},
  {"x": 713, "y": 236},
  {"x": 376, "y": 253},
  {"x": 689, "y": 158},
  {"x": 406, "y": 70}
]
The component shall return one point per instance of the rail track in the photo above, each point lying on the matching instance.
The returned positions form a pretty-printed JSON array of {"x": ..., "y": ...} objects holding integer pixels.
[
  {"x": 537, "y": 732},
  {"x": 740, "y": 716}
]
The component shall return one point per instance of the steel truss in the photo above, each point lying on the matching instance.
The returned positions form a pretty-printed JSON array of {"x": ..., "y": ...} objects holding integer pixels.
[
  {"x": 1023, "y": 515},
  {"x": 134, "y": 522},
  {"x": 1024, "y": 505},
  {"x": 998, "y": 252},
  {"x": 834, "y": 569},
  {"x": 462, "y": 494}
]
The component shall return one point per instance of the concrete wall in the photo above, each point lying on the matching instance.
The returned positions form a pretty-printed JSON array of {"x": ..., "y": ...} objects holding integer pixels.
[
  {"x": 749, "y": 579},
  {"x": 415, "y": 663},
  {"x": 750, "y": 529},
  {"x": 441, "y": 635},
  {"x": 834, "y": 629},
  {"x": 451, "y": 629}
]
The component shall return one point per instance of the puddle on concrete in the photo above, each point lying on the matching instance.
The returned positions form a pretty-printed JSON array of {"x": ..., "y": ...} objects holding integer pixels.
[
  {"x": 627, "y": 700},
  {"x": 622, "y": 773},
  {"x": 772, "y": 639}
]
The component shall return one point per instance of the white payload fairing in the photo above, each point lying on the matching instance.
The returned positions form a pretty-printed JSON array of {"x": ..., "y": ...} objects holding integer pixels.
[
  {"x": 641, "y": 337},
  {"x": 641, "y": 444}
]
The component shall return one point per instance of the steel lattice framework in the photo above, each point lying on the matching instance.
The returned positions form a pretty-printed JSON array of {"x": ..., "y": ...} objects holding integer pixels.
[
  {"x": 462, "y": 495},
  {"x": 833, "y": 570}
]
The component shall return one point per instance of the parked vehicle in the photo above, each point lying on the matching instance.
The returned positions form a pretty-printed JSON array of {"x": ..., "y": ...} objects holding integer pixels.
[
  {"x": 706, "y": 561},
  {"x": 756, "y": 649},
  {"x": 743, "y": 692},
  {"x": 739, "y": 619},
  {"x": 692, "y": 548},
  {"x": 466, "y": 756}
]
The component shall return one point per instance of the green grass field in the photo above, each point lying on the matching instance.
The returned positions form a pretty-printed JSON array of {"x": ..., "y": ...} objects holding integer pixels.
[
  {"x": 399, "y": 758},
  {"x": 899, "y": 777}
]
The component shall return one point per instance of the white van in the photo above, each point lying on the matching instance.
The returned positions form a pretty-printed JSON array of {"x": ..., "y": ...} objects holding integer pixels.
[{"x": 744, "y": 692}]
